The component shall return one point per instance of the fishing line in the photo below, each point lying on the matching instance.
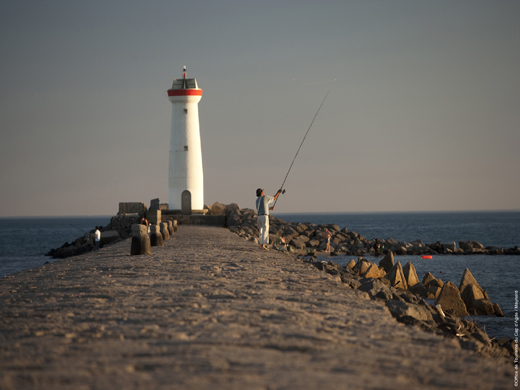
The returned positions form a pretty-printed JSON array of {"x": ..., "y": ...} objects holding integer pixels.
[
  {"x": 315, "y": 115},
  {"x": 78, "y": 228}
]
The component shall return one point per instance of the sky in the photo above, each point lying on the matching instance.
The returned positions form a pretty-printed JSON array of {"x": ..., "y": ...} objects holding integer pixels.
[{"x": 422, "y": 112}]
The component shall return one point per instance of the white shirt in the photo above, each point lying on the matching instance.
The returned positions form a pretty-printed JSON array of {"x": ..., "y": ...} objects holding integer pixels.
[{"x": 263, "y": 203}]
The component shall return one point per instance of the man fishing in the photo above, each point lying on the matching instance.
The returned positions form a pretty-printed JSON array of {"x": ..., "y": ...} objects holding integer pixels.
[
  {"x": 263, "y": 202},
  {"x": 263, "y": 205}
]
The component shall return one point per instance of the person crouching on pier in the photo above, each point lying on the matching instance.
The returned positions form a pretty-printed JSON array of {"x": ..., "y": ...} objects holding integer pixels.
[{"x": 263, "y": 205}]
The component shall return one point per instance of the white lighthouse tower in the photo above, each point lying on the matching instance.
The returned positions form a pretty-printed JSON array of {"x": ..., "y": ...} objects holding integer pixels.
[{"x": 186, "y": 182}]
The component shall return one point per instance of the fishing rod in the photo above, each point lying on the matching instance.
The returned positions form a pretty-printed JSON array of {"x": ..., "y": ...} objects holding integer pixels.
[
  {"x": 315, "y": 115},
  {"x": 78, "y": 228}
]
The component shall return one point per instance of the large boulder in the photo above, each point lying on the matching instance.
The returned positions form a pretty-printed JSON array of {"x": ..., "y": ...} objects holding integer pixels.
[
  {"x": 375, "y": 288},
  {"x": 450, "y": 245},
  {"x": 450, "y": 300},
  {"x": 232, "y": 208},
  {"x": 333, "y": 228},
  {"x": 471, "y": 246},
  {"x": 400, "y": 250},
  {"x": 312, "y": 243},
  {"x": 298, "y": 242},
  {"x": 387, "y": 262},
  {"x": 233, "y": 219},
  {"x": 289, "y": 232},
  {"x": 218, "y": 209},
  {"x": 408, "y": 312}
]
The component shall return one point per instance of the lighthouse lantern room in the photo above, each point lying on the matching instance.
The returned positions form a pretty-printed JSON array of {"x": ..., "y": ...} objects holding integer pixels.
[{"x": 186, "y": 182}]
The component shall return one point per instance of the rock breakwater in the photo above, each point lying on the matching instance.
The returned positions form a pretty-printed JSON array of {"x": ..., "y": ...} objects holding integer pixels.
[
  {"x": 299, "y": 236},
  {"x": 309, "y": 236},
  {"x": 442, "y": 318}
]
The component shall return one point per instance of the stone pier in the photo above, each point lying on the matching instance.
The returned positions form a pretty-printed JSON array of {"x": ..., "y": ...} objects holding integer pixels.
[{"x": 210, "y": 310}]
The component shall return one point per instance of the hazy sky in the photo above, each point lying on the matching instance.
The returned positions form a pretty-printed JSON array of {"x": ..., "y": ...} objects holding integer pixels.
[{"x": 423, "y": 111}]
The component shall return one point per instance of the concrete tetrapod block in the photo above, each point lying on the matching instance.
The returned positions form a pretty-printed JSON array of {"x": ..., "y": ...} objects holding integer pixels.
[
  {"x": 372, "y": 272},
  {"x": 450, "y": 299},
  {"x": 361, "y": 266},
  {"x": 175, "y": 227},
  {"x": 410, "y": 274},
  {"x": 170, "y": 227},
  {"x": 156, "y": 238},
  {"x": 396, "y": 276},
  {"x": 140, "y": 241},
  {"x": 468, "y": 278},
  {"x": 164, "y": 231},
  {"x": 428, "y": 277},
  {"x": 387, "y": 262}
]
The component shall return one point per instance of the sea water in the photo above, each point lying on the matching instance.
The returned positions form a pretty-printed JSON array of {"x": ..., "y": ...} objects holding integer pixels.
[{"x": 24, "y": 242}]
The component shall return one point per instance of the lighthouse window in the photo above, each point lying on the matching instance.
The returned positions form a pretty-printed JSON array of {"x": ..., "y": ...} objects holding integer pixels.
[
  {"x": 185, "y": 110},
  {"x": 185, "y": 148}
]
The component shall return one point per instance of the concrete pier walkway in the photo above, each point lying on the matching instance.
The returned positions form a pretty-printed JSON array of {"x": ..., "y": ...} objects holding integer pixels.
[{"x": 213, "y": 311}]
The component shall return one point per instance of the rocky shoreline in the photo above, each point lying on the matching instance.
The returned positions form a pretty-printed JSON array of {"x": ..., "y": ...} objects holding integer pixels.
[
  {"x": 308, "y": 236},
  {"x": 408, "y": 307}
]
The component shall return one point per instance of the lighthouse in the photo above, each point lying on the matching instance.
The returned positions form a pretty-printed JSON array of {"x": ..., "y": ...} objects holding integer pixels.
[{"x": 186, "y": 182}]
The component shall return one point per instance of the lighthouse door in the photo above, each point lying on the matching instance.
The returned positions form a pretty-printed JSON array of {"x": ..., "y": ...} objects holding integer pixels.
[{"x": 186, "y": 203}]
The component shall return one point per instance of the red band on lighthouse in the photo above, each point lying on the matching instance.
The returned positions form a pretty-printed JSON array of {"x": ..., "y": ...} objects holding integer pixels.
[{"x": 185, "y": 92}]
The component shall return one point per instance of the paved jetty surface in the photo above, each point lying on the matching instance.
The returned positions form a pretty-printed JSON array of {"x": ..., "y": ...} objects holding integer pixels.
[{"x": 212, "y": 311}]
